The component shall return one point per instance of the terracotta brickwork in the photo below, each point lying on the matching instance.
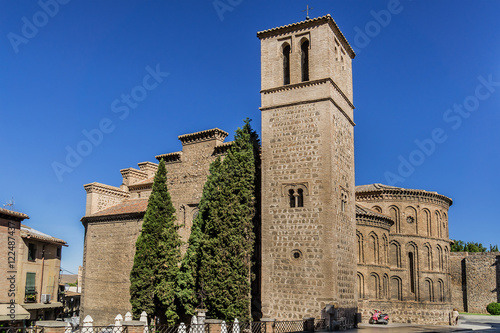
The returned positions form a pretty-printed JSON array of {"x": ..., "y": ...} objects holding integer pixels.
[
  {"x": 475, "y": 280},
  {"x": 114, "y": 219},
  {"x": 408, "y": 262}
]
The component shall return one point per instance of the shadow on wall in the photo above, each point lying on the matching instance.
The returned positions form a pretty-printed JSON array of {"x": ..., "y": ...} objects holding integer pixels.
[{"x": 497, "y": 290}]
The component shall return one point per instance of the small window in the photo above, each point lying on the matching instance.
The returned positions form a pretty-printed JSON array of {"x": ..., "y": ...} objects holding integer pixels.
[
  {"x": 300, "y": 198},
  {"x": 58, "y": 252},
  {"x": 286, "y": 64},
  {"x": 343, "y": 200},
  {"x": 31, "y": 252},
  {"x": 30, "y": 284},
  {"x": 291, "y": 195}
]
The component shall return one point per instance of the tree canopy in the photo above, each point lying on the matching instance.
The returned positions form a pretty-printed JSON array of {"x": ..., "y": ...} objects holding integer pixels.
[
  {"x": 218, "y": 262},
  {"x": 461, "y": 246},
  {"x": 157, "y": 257}
]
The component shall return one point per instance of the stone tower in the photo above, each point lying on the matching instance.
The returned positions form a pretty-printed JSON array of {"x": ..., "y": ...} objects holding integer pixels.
[{"x": 308, "y": 201}]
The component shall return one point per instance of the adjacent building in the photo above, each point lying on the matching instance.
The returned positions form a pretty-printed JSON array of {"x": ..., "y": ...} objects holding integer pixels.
[{"x": 33, "y": 269}]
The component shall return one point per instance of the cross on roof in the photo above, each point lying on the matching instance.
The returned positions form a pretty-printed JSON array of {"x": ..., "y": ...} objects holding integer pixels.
[{"x": 307, "y": 11}]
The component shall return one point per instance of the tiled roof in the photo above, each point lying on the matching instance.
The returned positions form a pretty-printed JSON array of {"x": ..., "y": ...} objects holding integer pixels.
[
  {"x": 376, "y": 187},
  {"x": 365, "y": 211},
  {"x": 12, "y": 213},
  {"x": 28, "y": 232},
  {"x": 125, "y": 207},
  {"x": 367, "y": 190},
  {"x": 144, "y": 182}
]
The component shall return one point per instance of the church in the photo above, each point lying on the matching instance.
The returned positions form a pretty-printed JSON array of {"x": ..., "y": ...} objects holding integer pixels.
[{"x": 325, "y": 242}]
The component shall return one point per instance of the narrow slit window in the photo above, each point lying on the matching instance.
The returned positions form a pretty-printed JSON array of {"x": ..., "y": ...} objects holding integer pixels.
[
  {"x": 412, "y": 272},
  {"x": 291, "y": 195},
  {"x": 286, "y": 64},
  {"x": 305, "y": 61},
  {"x": 300, "y": 198}
]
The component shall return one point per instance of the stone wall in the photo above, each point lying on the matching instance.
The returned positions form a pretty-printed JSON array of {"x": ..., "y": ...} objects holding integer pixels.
[
  {"x": 110, "y": 249},
  {"x": 308, "y": 211},
  {"x": 111, "y": 233},
  {"x": 475, "y": 277},
  {"x": 423, "y": 313}
]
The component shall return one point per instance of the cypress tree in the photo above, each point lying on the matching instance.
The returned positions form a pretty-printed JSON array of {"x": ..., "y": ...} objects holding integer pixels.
[
  {"x": 155, "y": 269},
  {"x": 228, "y": 236},
  {"x": 188, "y": 282}
]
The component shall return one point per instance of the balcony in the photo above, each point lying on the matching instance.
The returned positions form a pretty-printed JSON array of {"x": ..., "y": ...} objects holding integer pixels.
[{"x": 30, "y": 295}]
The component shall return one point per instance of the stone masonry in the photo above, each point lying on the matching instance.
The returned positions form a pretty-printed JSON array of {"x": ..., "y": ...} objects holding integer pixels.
[
  {"x": 323, "y": 242},
  {"x": 308, "y": 219},
  {"x": 475, "y": 280},
  {"x": 114, "y": 215}
]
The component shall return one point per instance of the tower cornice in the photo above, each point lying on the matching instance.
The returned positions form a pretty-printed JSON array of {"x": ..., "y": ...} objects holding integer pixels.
[{"x": 306, "y": 24}]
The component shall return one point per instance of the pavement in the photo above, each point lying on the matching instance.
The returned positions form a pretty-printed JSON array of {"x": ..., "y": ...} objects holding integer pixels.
[{"x": 466, "y": 323}]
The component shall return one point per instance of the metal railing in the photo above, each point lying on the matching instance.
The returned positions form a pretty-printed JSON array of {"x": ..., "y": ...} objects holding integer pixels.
[{"x": 289, "y": 326}]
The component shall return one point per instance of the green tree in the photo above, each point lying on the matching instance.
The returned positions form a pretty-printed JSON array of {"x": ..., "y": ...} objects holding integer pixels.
[
  {"x": 228, "y": 231},
  {"x": 457, "y": 246},
  {"x": 157, "y": 257},
  {"x": 461, "y": 246},
  {"x": 188, "y": 282},
  {"x": 474, "y": 247}
]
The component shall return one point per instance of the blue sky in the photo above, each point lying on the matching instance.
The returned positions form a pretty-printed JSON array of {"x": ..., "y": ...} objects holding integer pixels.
[{"x": 426, "y": 91}]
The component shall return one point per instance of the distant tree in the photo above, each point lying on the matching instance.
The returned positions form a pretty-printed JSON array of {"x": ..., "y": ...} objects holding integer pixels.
[
  {"x": 228, "y": 231},
  {"x": 188, "y": 282},
  {"x": 457, "y": 246},
  {"x": 461, "y": 246},
  {"x": 157, "y": 257},
  {"x": 475, "y": 247},
  {"x": 493, "y": 248}
]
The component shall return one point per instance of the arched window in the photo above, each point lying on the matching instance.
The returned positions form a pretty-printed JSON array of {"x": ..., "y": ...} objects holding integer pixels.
[
  {"x": 361, "y": 286},
  {"x": 304, "y": 60},
  {"x": 394, "y": 213},
  {"x": 286, "y": 64},
  {"x": 440, "y": 257},
  {"x": 385, "y": 286},
  {"x": 373, "y": 248},
  {"x": 428, "y": 222},
  {"x": 441, "y": 296},
  {"x": 360, "y": 248},
  {"x": 396, "y": 292},
  {"x": 438, "y": 224},
  {"x": 300, "y": 198},
  {"x": 427, "y": 257},
  {"x": 291, "y": 195},
  {"x": 428, "y": 294},
  {"x": 385, "y": 250},
  {"x": 374, "y": 286},
  {"x": 395, "y": 255},
  {"x": 411, "y": 271}
]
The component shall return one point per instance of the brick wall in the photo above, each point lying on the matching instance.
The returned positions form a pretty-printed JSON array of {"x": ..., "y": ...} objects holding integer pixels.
[{"x": 408, "y": 312}]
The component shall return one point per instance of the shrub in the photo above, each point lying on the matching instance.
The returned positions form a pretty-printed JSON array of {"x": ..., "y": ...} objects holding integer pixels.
[{"x": 493, "y": 308}]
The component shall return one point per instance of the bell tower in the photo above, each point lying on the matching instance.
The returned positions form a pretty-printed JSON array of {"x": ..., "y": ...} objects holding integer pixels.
[{"x": 308, "y": 205}]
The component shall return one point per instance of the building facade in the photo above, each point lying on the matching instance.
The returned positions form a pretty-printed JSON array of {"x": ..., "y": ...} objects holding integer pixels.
[
  {"x": 325, "y": 244},
  {"x": 114, "y": 215},
  {"x": 403, "y": 260},
  {"x": 33, "y": 266}
]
